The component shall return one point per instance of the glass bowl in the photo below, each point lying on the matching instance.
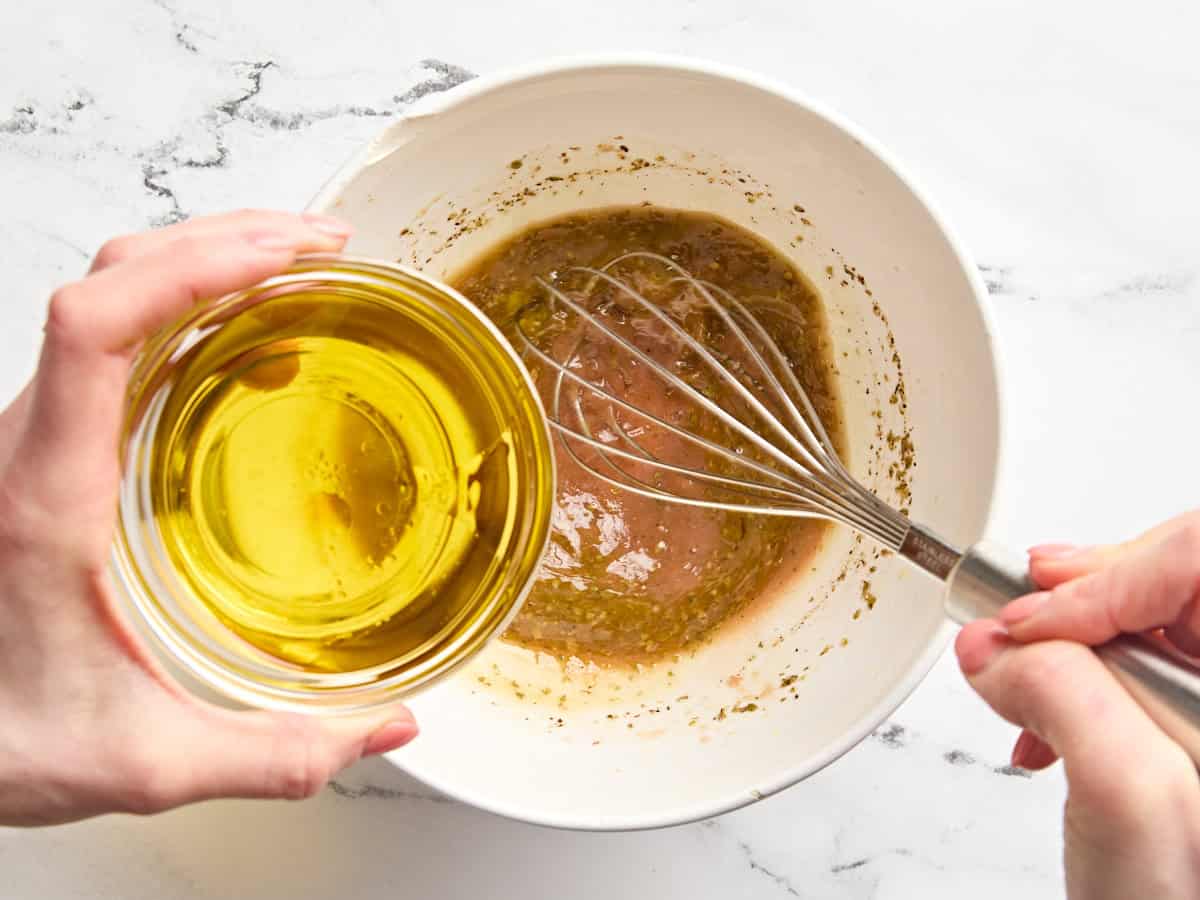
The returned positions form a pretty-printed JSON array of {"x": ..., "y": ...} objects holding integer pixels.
[{"x": 247, "y": 570}]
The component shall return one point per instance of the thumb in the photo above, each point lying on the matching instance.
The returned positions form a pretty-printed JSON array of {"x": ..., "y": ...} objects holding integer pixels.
[
  {"x": 1154, "y": 583},
  {"x": 272, "y": 755},
  {"x": 93, "y": 325}
]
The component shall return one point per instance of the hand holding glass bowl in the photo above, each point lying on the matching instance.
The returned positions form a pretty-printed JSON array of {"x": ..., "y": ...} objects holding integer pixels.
[{"x": 92, "y": 723}]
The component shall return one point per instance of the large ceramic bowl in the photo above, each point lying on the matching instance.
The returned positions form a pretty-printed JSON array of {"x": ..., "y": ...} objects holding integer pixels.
[{"x": 796, "y": 681}]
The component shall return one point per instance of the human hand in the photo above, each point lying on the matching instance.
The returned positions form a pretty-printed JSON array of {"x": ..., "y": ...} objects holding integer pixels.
[
  {"x": 89, "y": 722},
  {"x": 1132, "y": 820}
]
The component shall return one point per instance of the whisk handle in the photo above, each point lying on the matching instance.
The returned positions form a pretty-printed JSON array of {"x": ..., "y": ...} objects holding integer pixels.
[
  {"x": 984, "y": 580},
  {"x": 1165, "y": 685}
]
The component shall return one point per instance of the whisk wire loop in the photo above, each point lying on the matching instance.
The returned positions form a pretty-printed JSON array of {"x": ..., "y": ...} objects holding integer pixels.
[{"x": 800, "y": 473}]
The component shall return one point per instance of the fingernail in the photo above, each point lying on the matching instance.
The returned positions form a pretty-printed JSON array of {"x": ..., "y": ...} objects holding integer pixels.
[
  {"x": 975, "y": 653},
  {"x": 1021, "y": 749},
  {"x": 272, "y": 240},
  {"x": 1056, "y": 551},
  {"x": 1023, "y": 607},
  {"x": 329, "y": 225},
  {"x": 392, "y": 736}
]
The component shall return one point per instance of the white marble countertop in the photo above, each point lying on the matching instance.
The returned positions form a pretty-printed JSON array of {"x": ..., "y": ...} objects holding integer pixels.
[{"x": 1061, "y": 140}]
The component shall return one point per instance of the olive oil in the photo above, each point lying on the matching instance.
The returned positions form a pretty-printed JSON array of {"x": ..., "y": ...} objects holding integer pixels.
[{"x": 331, "y": 484}]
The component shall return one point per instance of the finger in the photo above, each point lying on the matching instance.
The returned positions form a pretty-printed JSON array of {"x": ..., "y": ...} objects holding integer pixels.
[
  {"x": 78, "y": 392},
  {"x": 273, "y": 755},
  {"x": 114, "y": 309},
  {"x": 1032, "y": 753},
  {"x": 1062, "y": 693},
  {"x": 318, "y": 233},
  {"x": 1154, "y": 585},
  {"x": 1052, "y": 564}
]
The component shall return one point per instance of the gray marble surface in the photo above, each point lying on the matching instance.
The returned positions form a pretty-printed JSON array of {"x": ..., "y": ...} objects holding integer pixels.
[{"x": 1060, "y": 138}]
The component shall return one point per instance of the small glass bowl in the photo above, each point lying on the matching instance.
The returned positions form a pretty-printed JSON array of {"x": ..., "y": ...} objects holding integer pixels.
[{"x": 185, "y": 629}]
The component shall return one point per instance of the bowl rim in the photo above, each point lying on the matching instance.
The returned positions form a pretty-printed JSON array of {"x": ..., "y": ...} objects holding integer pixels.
[{"x": 878, "y": 713}]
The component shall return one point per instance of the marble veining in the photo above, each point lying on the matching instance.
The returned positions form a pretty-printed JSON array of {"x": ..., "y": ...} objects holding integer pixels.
[
  {"x": 376, "y": 792},
  {"x": 1064, "y": 172},
  {"x": 167, "y": 155}
]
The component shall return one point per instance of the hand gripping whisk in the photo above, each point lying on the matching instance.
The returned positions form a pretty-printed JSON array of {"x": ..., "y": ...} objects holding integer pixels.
[{"x": 730, "y": 427}]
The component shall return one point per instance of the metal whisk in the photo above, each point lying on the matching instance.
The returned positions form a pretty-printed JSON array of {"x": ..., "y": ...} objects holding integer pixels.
[{"x": 738, "y": 432}]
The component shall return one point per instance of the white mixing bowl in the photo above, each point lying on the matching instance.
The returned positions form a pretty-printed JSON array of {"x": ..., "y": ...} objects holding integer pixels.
[{"x": 795, "y": 682}]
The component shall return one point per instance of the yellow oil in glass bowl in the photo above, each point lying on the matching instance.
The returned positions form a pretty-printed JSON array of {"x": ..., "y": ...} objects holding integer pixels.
[{"x": 337, "y": 486}]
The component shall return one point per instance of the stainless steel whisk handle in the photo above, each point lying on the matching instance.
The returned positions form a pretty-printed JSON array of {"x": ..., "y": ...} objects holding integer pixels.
[{"x": 1167, "y": 687}]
